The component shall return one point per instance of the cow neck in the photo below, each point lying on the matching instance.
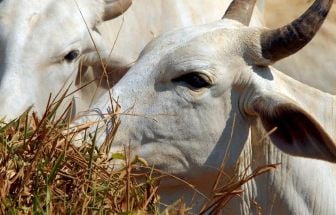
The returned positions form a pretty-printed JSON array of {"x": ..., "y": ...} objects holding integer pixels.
[{"x": 298, "y": 185}]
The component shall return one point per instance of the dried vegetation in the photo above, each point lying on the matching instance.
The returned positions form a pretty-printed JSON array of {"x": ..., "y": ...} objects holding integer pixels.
[{"x": 41, "y": 172}]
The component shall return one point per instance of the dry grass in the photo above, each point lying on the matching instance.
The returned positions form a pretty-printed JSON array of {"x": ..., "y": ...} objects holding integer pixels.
[{"x": 41, "y": 172}]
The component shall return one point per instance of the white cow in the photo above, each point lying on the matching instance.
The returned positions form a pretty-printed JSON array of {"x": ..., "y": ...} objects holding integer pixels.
[
  {"x": 207, "y": 93},
  {"x": 41, "y": 43},
  {"x": 40, "y": 47}
]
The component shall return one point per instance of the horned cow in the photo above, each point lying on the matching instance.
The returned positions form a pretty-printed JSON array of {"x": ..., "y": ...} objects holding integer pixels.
[{"x": 206, "y": 93}]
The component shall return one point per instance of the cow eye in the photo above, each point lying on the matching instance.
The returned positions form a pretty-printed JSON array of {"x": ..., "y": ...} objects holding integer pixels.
[
  {"x": 71, "y": 56},
  {"x": 194, "y": 80}
]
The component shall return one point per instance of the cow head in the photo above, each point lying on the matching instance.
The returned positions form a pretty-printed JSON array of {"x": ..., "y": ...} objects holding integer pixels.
[
  {"x": 191, "y": 98},
  {"x": 41, "y": 44}
]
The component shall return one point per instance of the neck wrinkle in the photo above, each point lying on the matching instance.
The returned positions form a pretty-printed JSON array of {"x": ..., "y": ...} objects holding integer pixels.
[{"x": 297, "y": 186}]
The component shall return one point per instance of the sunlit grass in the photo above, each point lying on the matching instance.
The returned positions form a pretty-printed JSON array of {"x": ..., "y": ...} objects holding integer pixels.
[{"x": 42, "y": 172}]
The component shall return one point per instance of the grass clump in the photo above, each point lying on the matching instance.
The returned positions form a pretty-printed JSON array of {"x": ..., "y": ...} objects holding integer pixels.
[{"x": 43, "y": 172}]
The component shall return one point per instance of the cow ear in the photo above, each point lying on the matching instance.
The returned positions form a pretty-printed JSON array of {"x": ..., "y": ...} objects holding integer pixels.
[
  {"x": 114, "y": 8},
  {"x": 106, "y": 71},
  {"x": 108, "y": 74},
  {"x": 296, "y": 131},
  {"x": 100, "y": 65}
]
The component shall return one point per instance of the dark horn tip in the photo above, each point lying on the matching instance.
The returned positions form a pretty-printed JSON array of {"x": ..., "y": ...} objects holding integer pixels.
[{"x": 285, "y": 41}]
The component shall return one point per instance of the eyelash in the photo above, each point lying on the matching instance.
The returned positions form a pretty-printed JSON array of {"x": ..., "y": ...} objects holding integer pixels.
[{"x": 194, "y": 80}]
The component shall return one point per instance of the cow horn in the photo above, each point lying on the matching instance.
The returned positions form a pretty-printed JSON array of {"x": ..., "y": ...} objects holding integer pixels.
[
  {"x": 285, "y": 41},
  {"x": 114, "y": 8},
  {"x": 240, "y": 10}
]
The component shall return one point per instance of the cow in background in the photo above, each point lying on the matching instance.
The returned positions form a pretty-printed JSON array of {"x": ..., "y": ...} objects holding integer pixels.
[{"x": 41, "y": 43}]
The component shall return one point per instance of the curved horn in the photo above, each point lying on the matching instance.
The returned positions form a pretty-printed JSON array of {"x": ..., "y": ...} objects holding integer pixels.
[
  {"x": 285, "y": 41},
  {"x": 114, "y": 8},
  {"x": 240, "y": 10}
]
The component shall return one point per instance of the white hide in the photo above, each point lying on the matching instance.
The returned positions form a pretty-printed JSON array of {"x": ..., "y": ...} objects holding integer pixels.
[
  {"x": 35, "y": 36},
  {"x": 147, "y": 19},
  {"x": 34, "y": 39},
  {"x": 187, "y": 132},
  {"x": 303, "y": 66}
]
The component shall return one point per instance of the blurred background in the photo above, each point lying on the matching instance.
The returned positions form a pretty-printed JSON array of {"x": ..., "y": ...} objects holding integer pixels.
[{"x": 315, "y": 64}]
